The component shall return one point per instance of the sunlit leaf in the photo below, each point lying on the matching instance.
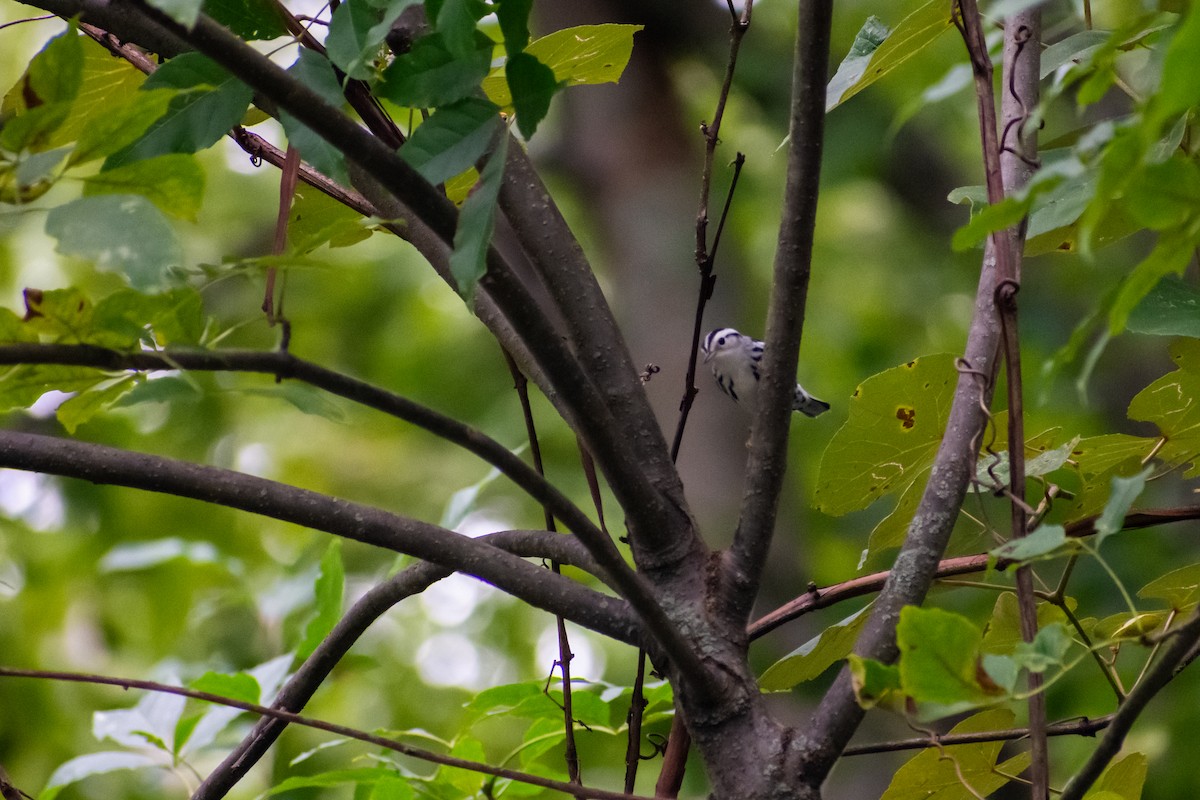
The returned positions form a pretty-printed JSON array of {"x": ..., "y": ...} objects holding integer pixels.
[
  {"x": 1170, "y": 403},
  {"x": 92, "y": 764},
  {"x": 583, "y": 55},
  {"x": 328, "y": 594},
  {"x": 85, "y": 405},
  {"x": 209, "y": 102},
  {"x": 1180, "y": 588},
  {"x": 910, "y": 36},
  {"x": 1046, "y": 540},
  {"x": 893, "y": 430},
  {"x": 173, "y": 182},
  {"x": 236, "y": 686},
  {"x": 940, "y": 662},
  {"x": 122, "y": 125},
  {"x": 816, "y": 655}
]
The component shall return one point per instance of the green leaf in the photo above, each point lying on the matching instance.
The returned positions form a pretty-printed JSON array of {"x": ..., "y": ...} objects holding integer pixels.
[
  {"x": 456, "y": 21},
  {"x": 463, "y": 783},
  {"x": 1048, "y": 649},
  {"x": 890, "y": 437},
  {"x": 317, "y": 219},
  {"x": 174, "y": 183},
  {"x": 392, "y": 788},
  {"x": 453, "y": 139},
  {"x": 1165, "y": 195},
  {"x": 304, "y": 398},
  {"x": 316, "y": 73},
  {"x": 873, "y": 33},
  {"x": 328, "y": 593},
  {"x": 356, "y": 32},
  {"x": 1003, "y": 633},
  {"x": 185, "y": 12},
  {"x": 236, "y": 686},
  {"x": 876, "y": 684},
  {"x": 340, "y": 777},
  {"x": 1180, "y": 588},
  {"x": 500, "y": 699},
  {"x": 210, "y": 102},
  {"x": 56, "y": 72},
  {"x": 1172, "y": 254},
  {"x": 21, "y": 386},
  {"x": 45, "y": 95},
  {"x": 1170, "y": 403},
  {"x": 1172, "y": 308},
  {"x": 940, "y": 662},
  {"x": 429, "y": 75},
  {"x": 532, "y": 85},
  {"x": 249, "y": 19},
  {"x": 1178, "y": 90},
  {"x": 1046, "y": 541},
  {"x": 1123, "y": 780},
  {"x": 1124, "y": 492},
  {"x": 135, "y": 556},
  {"x": 173, "y": 318},
  {"x": 83, "y": 767},
  {"x": 85, "y": 405},
  {"x": 468, "y": 262},
  {"x": 123, "y": 125},
  {"x": 513, "y": 16},
  {"x": 913, "y": 34},
  {"x": 939, "y": 773},
  {"x": 107, "y": 85},
  {"x": 816, "y": 655},
  {"x": 123, "y": 233},
  {"x": 583, "y": 55}
]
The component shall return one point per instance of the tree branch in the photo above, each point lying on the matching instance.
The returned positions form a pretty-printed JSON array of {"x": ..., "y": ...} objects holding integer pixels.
[
  {"x": 1183, "y": 639},
  {"x": 1075, "y": 727},
  {"x": 557, "y": 256},
  {"x": 534, "y": 585},
  {"x": 329, "y": 727},
  {"x": 304, "y": 683},
  {"x": 785, "y": 318}
]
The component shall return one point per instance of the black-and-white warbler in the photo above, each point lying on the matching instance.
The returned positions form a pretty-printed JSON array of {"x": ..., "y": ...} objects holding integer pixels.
[{"x": 735, "y": 360}]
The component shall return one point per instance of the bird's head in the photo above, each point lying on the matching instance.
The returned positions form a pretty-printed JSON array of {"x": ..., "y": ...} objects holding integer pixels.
[{"x": 719, "y": 340}]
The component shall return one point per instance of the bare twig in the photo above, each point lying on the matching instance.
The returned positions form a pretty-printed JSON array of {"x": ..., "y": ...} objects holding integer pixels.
[
  {"x": 1184, "y": 639},
  {"x": 329, "y": 727},
  {"x": 1075, "y": 727}
]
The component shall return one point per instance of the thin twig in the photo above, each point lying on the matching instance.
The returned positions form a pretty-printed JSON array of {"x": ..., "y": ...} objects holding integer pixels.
[
  {"x": 1185, "y": 637},
  {"x": 1077, "y": 727},
  {"x": 328, "y": 727}
]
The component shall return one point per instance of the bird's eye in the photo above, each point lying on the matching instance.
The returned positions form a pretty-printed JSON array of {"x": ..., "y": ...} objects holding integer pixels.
[{"x": 720, "y": 341}]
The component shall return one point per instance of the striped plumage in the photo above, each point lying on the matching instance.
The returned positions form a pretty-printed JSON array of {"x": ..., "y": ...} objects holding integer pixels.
[{"x": 735, "y": 359}]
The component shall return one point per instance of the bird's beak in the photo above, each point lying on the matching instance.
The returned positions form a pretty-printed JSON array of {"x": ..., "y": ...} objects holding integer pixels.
[{"x": 707, "y": 356}]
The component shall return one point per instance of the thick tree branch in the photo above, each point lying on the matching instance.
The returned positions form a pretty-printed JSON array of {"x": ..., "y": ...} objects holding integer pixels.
[
  {"x": 916, "y": 565},
  {"x": 304, "y": 683},
  {"x": 534, "y": 585},
  {"x": 321, "y": 725},
  {"x": 785, "y": 319},
  {"x": 557, "y": 256}
]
